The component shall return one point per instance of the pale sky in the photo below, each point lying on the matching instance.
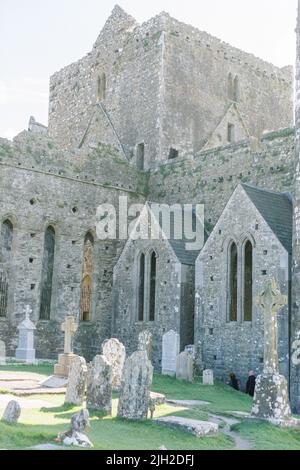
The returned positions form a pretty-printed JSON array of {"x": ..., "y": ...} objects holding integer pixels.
[{"x": 38, "y": 37}]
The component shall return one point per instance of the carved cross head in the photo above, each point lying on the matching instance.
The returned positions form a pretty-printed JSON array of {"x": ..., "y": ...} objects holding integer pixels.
[{"x": 271, "y": 298}]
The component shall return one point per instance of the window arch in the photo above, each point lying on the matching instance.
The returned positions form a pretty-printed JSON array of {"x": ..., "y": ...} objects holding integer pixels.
[
  {"x": 6, "y": 249},
  {"x": 152, "y": 292},
  {"x": 47, "y": 273},
  {"x": 101, "y": 87},
  {"x": 87, "y": 279},
  {"x": 236, "y": 89},
  {"x": 230, "y": 86},
  {"x": 233, "y": 282},
  {"x": 141, "y": 288},
  {"x": 248, "y": 280}
]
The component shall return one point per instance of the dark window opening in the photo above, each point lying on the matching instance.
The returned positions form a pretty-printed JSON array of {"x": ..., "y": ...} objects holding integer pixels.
[
  {"x": 47, "y": 273},
  {"x": 233, "y": 283},
  {"x": 173, "y": 153},
  {"x": 101, "y": 87},
  {"x": 152, "y": 287},
  {"x": 230, "y": 133},
  {"x": 141, "y": 288},
  {"x": 140, "y": 155},
  {"x": 236, "y": 89},
  {"x": 248, "y": 281}
]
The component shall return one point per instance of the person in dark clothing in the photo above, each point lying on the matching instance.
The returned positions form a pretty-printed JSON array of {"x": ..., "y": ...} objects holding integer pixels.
[
  {"x": 250, "y": 385},
  {"x": 234, "y": 381}
]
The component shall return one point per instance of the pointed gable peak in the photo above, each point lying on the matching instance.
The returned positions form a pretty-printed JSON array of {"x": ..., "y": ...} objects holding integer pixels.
[{"x": 118, "y": 21}]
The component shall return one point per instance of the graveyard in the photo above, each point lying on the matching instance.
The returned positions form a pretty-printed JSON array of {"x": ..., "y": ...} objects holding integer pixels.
[
  {"x": 118, "y": 402},
  {"x": 40, "y": 424}
]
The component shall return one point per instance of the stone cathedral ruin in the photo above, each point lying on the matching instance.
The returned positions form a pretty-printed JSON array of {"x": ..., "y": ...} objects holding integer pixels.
[{"x": 158, "y": 112}]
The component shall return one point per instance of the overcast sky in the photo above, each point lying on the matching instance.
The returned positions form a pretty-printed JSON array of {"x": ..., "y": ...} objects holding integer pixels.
[{"x": 38, "y": 37}]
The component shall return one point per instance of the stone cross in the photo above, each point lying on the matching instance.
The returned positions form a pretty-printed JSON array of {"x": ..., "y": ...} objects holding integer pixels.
[
  {"x": 270, "y": 302},
  {"x": 69, "y": 327}
]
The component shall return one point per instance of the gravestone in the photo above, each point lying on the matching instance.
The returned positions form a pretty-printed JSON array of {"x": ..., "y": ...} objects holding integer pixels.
[
  {"x": 145, "y": 343},
  {"x": 76, "y": 381},
  {"x": 25, "y": 351},
  {"x": 2, "y": 353},
  {"x": 12, "y": 412},
  {"x": 76, "y": 436},
  {"x": 99, "y": 385},
  {"x": 170, "y": 351},
  {"x": 185, "y": 367},
  {"x": 208, "y": 377},
  {"x": 135, "y": 387},
  {"x": 114, "y": 351},
  {"x": 69, "y": 327},
  {"x": 271, "y": 399}
]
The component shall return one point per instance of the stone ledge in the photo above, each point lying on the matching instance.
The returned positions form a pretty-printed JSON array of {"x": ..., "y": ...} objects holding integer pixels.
[{"x": 192, "y": 426}]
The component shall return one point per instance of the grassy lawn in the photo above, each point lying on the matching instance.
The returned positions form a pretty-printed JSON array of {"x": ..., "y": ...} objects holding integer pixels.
[{"x": 37, "y": 426}]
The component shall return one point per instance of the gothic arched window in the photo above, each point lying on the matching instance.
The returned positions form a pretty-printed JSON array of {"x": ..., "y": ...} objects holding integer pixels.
[
  {"x": 233, "y": 277},
  {"x": 230, "y": 86},
  {"x": 47, "y": 273},
  {"x": 141, "y": 287},
  {"x": 236, "y": 89},
  {"x": 87, "y": 279},
  {"x": 101, "y": 87},
  {"x": 248, "y": 281},
  {"x": 6, "y": 248},
  {"x": 152, "y": 292}
]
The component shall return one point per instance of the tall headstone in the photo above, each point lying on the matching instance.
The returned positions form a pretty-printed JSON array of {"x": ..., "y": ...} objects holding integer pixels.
[
  {"x": 170, "y": 351},
  {"x": 69, "y": 327},
  {"x": 135, "y": 388},
  {"x": 271, "y": 400},
  {"x": 208, "y": 377},
  {"x": 145, "y": 342},
  {"x": 114, "y": 351},
  {"x": 2, "y": 353},
  {"x": 185, "y": 367},
  {"x": 25, "y": 351},
  {"x": 295, "y": 313},
  {"x": 76, "y": 381},
  {"x": 99, "y": 385}
]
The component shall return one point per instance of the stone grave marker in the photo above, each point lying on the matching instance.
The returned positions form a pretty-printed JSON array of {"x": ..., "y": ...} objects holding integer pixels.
[
  {"x": 208, "y": 377},
  {"x": 76, "y": 381},
  {"x": 170, "y": 351},
  {"x": 69, "y": 327},
  {"x": 12, "y": 412},
  {"x": 145, "y": 342},
  {"x": 99, "y": 385},
  {"x": 114, "y": 351},
  {"x": 185, "y": 367},
  {"x": 135, "y": 388},
  {"x": 25, "y": 351},
  {"x": 2, "y": 353}
]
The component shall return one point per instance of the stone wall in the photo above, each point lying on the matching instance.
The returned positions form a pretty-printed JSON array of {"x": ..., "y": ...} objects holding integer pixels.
[
  {"x": 174, "y": 286},
  {"x": 238, "y": 346},
  {"x": 210, "y": 177},
  {"x": 37, "y": 191}
]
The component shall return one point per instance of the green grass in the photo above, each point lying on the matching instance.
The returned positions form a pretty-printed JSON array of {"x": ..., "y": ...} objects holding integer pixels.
[
  {"x": 264, "y": 436},
  {"x": 38, "y": 426}
]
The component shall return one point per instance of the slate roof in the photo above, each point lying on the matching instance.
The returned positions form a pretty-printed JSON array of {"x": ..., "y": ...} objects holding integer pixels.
[{"x": 277, "y": 210}]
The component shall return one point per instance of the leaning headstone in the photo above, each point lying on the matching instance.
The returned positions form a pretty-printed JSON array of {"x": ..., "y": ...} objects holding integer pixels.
[
  {"x": 76, "y": 382},
  {"x": 2, "y": 353},
  {"x": 99, "y": 385},
  {"x": 12, "y": 412},
  {"x": 145, "y": 342},
  {"x": 114, "y": 351},
  {"x": 271, "y": 400},
  {"x": 185, "y": 367},
  {"x": 69, "y": 327},
  {"x": 135, "y": 388},
  {"x": 25, "y": 351},
  {"x": 208, "y": 377},
  {"x": 76, "y": 436},
  {"x": 170, "y": 351}
]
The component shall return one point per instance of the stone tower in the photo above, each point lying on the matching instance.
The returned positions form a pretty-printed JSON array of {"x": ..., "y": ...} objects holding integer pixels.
[{"x": 295, "y": 321}]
